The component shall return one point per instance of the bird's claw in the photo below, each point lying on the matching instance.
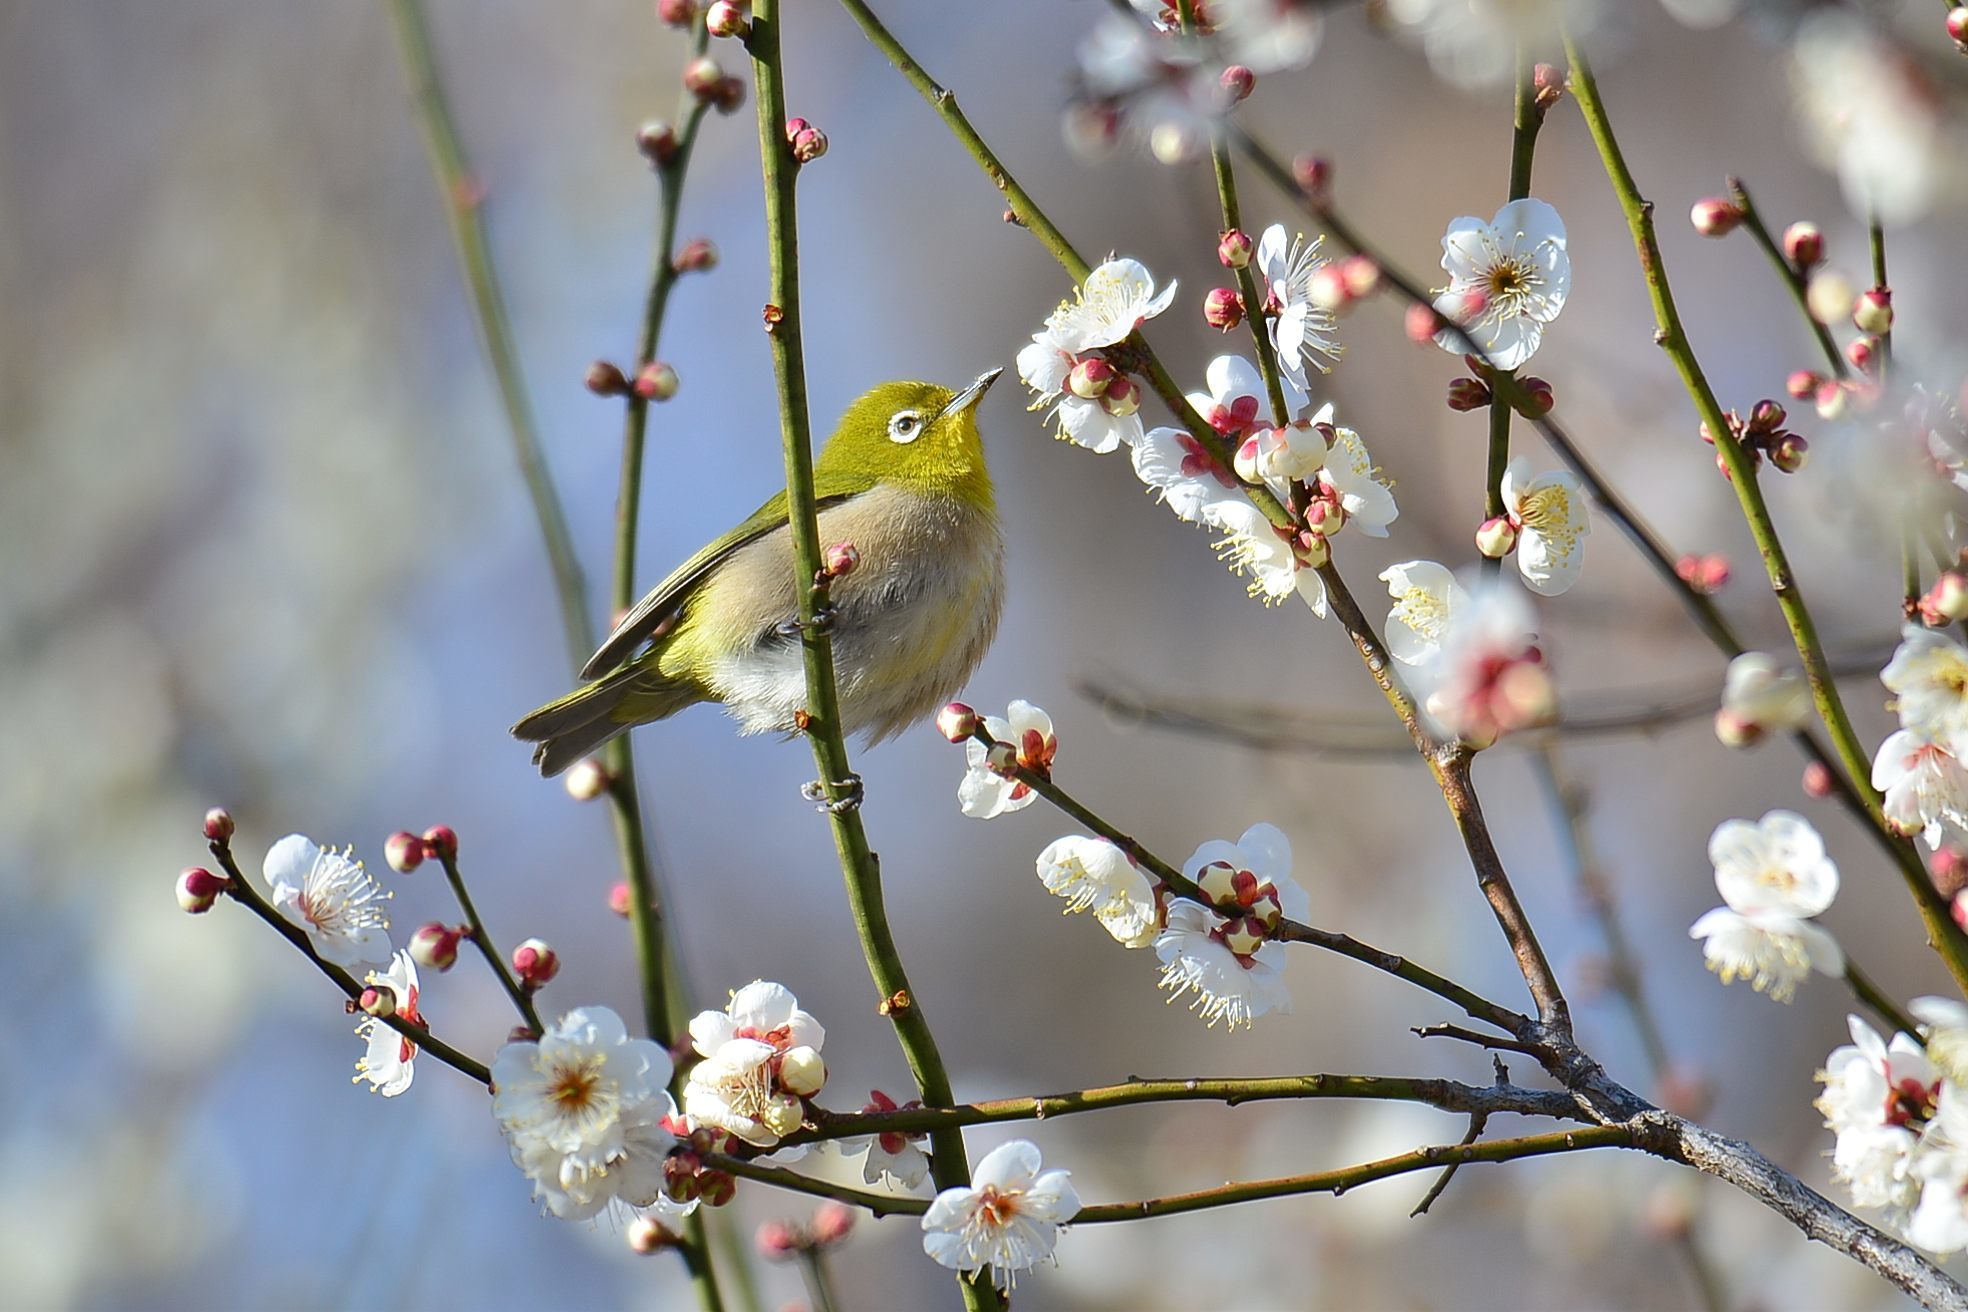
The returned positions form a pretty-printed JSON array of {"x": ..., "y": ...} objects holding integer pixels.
[
  {"x": 850, "y": 789},
  {"x": 822, "y": 622}
]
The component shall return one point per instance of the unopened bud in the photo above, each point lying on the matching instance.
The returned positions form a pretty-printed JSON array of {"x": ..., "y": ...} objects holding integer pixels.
[
  {"x": 1732, "y": 730},
  {"x": 1235, "y": 249},
  {"x": 1497, "y": 537},
  {"x": 701, "y": 77},
  {"x": 1705, "y": 574},
  {"x": 839, "y": 560},
  {"x": 404, "y": 851},
  {"x": 1818, "y": 781},
  {"x": 1090, "y": 378},
  {"x": 1803, "y": 383},
  {"x": 1313, "y": 174},
  {"x": 656, "y": 381},
  {"x": 1265, "y": 909},
  {"x": 435, "y": 946},
  {"x": 677, "y": 13},
  {"x": 587, "y": 779},
  {"x": 777, "y": 1241},
  {"x": 810, "y": 144},
  {"x": 716, "y": 1188},
  {"x": 377, "y": 1002},
  {"x": 1547, "y": 86},
  {"x": 1957, "y": 27},
  {"x": 442, "y": 842},
  {"x": 1223, "y": 308},
  {"x": 1243, "y": 936},
  {"x": 1873, "y": 312},
  {"x": 728, "y": 95},
  {"x": 1467, "y": 394},
  {"x": 957, "y": 722},
  {"x": 1949, "y": 871},
  {"x": 1829, "y": 297},
  {"x": 696, "y": 256},
  {"x": 620, "y": 898},
  {"x": 218, "y": 825},
  {"x": 1325, "y": 517},
  {"x": 1421, "y": 323},
  {"x": 832, "y": 1222},
  {"x": 606, "y": 379},
  {"x": 1237, "y": 82},
  {"x": 1123, "y": 398},
  {"x": 1948, "y": 598},
  {"x": 198, "y": 889},
  {"x": 657, "y": 141},
  {"x": 1790, "y": 453},
  {"x": 802, "y": 1072},
  {"x": 535, "y": 963},
  {"x": 1766, "y": 416},
  {"x": 1313, "y": 549},
  {"x": 1534, "y": 398},
  {"x": 1361, "y": 274},
  {"x": 1002, "y": 759},
  {"x": 1222, "y": 883},
  {"x": 1803, "y": 245},
  {"x": 1830, "y": 400},
  {"x": 1327, "y": 289},
  {"x": 728, "y": 18},
  {"x": 1715, "y": 217},
  {"x": 646, "y": 1235}
]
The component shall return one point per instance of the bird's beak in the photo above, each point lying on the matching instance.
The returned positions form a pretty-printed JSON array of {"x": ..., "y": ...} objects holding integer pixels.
[{"x": 971, "y": 395}]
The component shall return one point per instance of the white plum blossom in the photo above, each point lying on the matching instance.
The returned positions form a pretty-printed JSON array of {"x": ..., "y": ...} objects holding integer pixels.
[
  {"x": 1759, "y": 696},
  {"x": 1266, "y": 36},
  {"x": 1873, "y": 115},
  {"x": 1878, "y": 1100},
  {"x": 1235, "y": 971},
  {"x": 1252, "y": 546},
  {"x": 1925, "y": 786},
  {"x": 387, "y": 1061},
  {"x": 1773, "y": 874},
  {"x": 891, "y": 1159},
  {"x": 1159, "y": 83},
  {"x": 1007, "y": 1218},
  {"x": 1940, "y": 1220},
  {"x": 1116, "y": 298},
  {"x": 1094, "y": 875},
  {"x": 1508, "y": 278},
  {"x": 1426, "y": 597},
  {"x": 1301, "y": 330},
  {"x": 583, "y": 1111},
  {"x": 1351, "y": 478},
  {"x": 1945, "y": 1022},
  {"x": 1487, "y": 677},
  {"x": 757, "y": 1055},
  {"x": 331, "y": 897},
  {"x": 1549, "y": 514},
  {"x": 1929, "y": 676},
  {"x": 1472, "y": 43},
  {"x": 1024, "y": 736},
  {"x": 1237, "y": 403},
  {"x": 1190, "y": 482}
]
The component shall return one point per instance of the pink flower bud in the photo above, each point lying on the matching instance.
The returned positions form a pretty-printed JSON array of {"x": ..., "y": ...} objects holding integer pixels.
[
  {"x": 1948, "y": 598},
  {"x": 657, "y": 141},
  {"x": 377, "y": 1002},
  {"x": 1324, "y": 517},
  {"x": 810, "y": 144},
  {"x": 656, "y": 381},
  {"x": 1327, "y": 289},
  {"x": 778, "y": 1241},
  {"x": 701, "y": 78},
  {"x": 646, "y": 1235},
  {"x": 1497, "y": 537},
  {"x": 1790, "y": 453},
  {"x": 957, "y": 722},
  {"x": 1817, "y": 780},
  {"x": 728, "y": 18},
  {"x": 442, "y": 842},
  {"x": 1361, "y": 274},
  {"x": 1705, "y": 574},
  {"x": 1766, "y": 416},
  {"x": 435, "y": 946},
  {"x": 1803, "y": 383},
  {"x": 1090, "y": 378},
  {"x": 1547, "y": 86},
  {"x": 1122, "y": 398},
  {"x": 1313, "y": 174},
  {"x": 1830, "y": 399},
  {"x": 218, "y": 825},
  {"x": 839, "y": 560},
  {"x": 1715, "y": 217},
  {"x": 1421, "y": 323},
  {"x": 199, "y": 888},
  {"x": 404, "y": 851},
  {"x": 587, "y": 779},
  {"x": 1235, "y": 249},
  {"x": 1732, "y": 730},
  {"x": 832, "y": 1222},
  {"x": 535, "y": 963},
  {"x": 619, "y": 899},
  {"x": 717, "y": 1188},
  {"x": 697, "y": 256},
  {"x": 1237, "y": 82},
  {"x": 1957, "y": 27},
  {"x": 1873, "y": 312},
  {"x": 1534, "y": 398},
  {"x": 1466, "y": 394},
  {"x": 1223, "y": 308},
  {"x": 605, "y": 379},
  {"x": 1803, "y": 244},
  {"x": 677, "y": 13}
]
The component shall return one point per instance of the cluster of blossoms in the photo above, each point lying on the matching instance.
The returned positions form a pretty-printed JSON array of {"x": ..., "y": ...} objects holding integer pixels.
[
  {"x": 1919, "y": 766},
  {"x": 1760, "y": 435},
  {"x": 1474, "y": 654},
  {"x": 1774, "y": 875},
  {"x": 1900, "y": 1116}
]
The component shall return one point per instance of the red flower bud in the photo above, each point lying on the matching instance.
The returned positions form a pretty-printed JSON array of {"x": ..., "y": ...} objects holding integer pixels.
[
  {"x": 1421, "y": 323},
  {"x": 199, "y": 888},
  {"x": 1789, "y": 453},
  {"x": 1466, "y": 394},
  {"x": 778, "y": 1240},
  {"x": 218, "y": 825},
  {"x": 717, "y": 1188},
  {"x": 619, "y": 899},
  {"x": 809, "y": 144},
  {"x": 377, "y": 1002},
  {"x": 1873, "y": 313},
  {"x": 1715, "y": 217},
  {"x": 1766, "y": 416},
  {"x": 839, "y": 560},
  {"x": 1957, "y": 27},
  {"x": 1817, "y": 780},
  {"x": 1361, "y": 274},
  {"x": 1547, "y": 86},
  {"x": 728, "y": 18},
  {"x": 404, "y": 851},
  {"x": 1090, "y": 378},
  {"x": 535, "y": 963},
  {"x": 957, "y": 722},
  {"x": 832, "y": 1222},
  {"x": 656, "y": 381},
  {"x": 1235, "y": 248},
  {"x": 1803, "y": 383},
  {"x": 657, "y": 141},
  {"x": 1238, "y": 82},
  {"x": 728, "y": 95},
  {"x": 1534, "y": 398},
  {"x": 1803, "y": 244},
  {"x": 435, "y": 946},
  {"x": 677, "y": 13},
  {"x": 606, "y": 379},
  {"x": 442, "y": 842},
  {"x": 1861, "y": 351},
  {"x": 1223, "y": 308},
  {"x": 697, "y": 256},
  {"x": 1313, "y": 174},
  {"x": 701, "y": 77}
]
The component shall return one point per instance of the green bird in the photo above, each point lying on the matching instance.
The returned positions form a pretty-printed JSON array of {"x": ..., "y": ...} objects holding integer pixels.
[{"x": 903, "y": 479}]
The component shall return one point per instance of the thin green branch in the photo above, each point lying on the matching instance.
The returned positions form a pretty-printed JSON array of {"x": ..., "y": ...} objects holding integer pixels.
[
  {"x": 1942, "y": 932},
  {"x": 1879, "y": 1000},
  {"x": 838, "y": 785},
  {"x": 521, "y": 999},
  {"x": 242, "y": 891},
  {"x": 1794, "y": 279},
  {"x": 1876, "y": 244}
]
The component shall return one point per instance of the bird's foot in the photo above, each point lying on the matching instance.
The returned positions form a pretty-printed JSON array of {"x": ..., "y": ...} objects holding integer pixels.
[
  {"x": 822, "y": 622},
  {"x": 850, "y": 790}
]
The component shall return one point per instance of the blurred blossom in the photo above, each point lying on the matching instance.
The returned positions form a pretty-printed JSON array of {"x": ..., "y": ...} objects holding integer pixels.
[
  {"x": 1426, "y": 596},
  {"x": 1472, "y": 43},
  {"x": 1878, "y": 1100}
]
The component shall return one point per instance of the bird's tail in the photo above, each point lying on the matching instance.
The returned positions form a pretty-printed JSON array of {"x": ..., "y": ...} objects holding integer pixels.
[{"x": 575, "y": 725}]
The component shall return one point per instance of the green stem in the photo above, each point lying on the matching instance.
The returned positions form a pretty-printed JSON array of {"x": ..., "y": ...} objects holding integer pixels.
[
  {"x": 521, "y": 999},
  {"x": 823, "y": 729},
  {"x": 1879, "y": 1000},
  {"x": 813, "y": 1264},
  {"x": 462, "y": 209},
  {"x": 1794, "y": 279},
  {"x": 1945, "y": 936},
  {"x": 1876, "y": 242}
]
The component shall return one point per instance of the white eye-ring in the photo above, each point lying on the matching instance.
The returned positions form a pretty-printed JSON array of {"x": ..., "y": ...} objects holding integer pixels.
[{"x": 906, "y": 426}]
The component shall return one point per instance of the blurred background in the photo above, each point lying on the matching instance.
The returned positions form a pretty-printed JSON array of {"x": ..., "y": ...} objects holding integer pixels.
[{"x": 265, "y": 546}]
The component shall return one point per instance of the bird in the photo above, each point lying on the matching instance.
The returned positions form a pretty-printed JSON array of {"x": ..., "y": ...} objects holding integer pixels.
[{"x": 903, "y": 480}]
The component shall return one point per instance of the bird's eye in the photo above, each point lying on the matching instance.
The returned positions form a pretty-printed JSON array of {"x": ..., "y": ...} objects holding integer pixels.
[{"x": 905, "y": 427}]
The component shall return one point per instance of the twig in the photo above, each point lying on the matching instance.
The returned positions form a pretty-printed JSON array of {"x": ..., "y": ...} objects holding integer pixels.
[
  {"x": 1794, "y": 279},
  {"x": 1880, "y": 1001},
  {"x": 1476, "y": 1124},
  {"x": 521, "y": 998},
  {"x": 1490, "y": 1041}
]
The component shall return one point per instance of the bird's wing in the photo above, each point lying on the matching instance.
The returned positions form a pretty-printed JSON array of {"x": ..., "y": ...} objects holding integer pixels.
[{"x": 667, "y": 598}]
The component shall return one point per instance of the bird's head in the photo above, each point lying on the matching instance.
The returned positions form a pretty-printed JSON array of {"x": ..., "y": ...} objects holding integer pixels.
[{"x": 921, "y": 435}]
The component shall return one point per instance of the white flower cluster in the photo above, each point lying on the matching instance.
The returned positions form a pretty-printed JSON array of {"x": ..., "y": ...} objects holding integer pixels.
[
  {"x": 1474, "y": 654},
  {"x": 761, "y": 1060},
  {"x": 1919, "y": 767},
  {"x": 1900, "y": 1114},
  {"x": 1774, "y": 875}
]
